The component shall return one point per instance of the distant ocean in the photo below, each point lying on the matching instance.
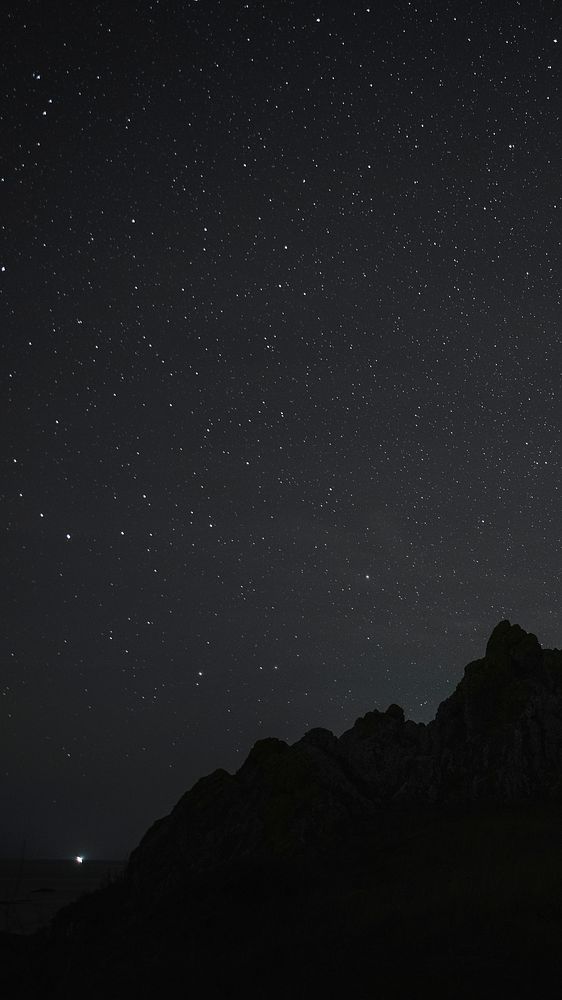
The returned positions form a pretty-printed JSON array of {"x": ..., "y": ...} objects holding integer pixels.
[{"x": 31, "y": 892}]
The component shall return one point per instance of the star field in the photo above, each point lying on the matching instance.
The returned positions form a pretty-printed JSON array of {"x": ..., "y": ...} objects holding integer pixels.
[{"x": 280, "y": 288}]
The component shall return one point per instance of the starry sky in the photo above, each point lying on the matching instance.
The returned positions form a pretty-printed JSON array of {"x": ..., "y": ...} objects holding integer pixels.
[{"x": 280, "y": 297}]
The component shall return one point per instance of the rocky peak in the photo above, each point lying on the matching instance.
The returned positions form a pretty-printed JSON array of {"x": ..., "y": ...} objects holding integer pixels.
[
  {"x": 511, "y": 643},
  {"x": 499, "y": 735}
]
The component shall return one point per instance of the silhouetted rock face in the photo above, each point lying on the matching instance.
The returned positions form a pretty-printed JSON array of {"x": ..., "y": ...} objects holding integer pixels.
[
  {"x": 498, "y": 737},
  {"x": 390, "y": 756},
  {"x": 283, "y": 801}
]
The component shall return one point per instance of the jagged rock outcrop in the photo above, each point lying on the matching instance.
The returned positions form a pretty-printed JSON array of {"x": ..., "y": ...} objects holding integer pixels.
[
  {"x": 498, "y": 737},
  {"x": 389, "y": 755}
]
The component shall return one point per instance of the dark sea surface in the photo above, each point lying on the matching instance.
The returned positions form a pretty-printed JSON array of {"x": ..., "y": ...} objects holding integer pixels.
[{"x": 31, "y": 892}]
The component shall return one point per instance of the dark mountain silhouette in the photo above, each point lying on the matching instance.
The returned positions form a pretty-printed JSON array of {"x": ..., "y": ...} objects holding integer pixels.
[{"x": 399, "y": 858}]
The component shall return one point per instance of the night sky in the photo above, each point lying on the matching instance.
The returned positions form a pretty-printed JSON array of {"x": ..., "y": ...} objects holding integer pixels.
[{"x": 281, "y": 314}]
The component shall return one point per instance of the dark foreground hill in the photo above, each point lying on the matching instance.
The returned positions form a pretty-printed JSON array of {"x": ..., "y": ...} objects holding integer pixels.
[{"x": 400, "y": 859}]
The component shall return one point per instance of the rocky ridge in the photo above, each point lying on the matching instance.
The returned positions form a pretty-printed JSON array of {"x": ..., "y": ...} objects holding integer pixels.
[
  {"x": 497, "y": 738},
  {"x": 398, "y": 859}
]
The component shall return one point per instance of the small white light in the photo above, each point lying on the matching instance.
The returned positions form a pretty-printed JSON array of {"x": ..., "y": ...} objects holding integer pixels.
[{"x": 79, "y": 859}]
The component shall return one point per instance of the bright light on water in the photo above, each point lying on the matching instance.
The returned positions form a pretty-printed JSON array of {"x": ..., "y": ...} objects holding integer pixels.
[{"x": 79, "y": 859}]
